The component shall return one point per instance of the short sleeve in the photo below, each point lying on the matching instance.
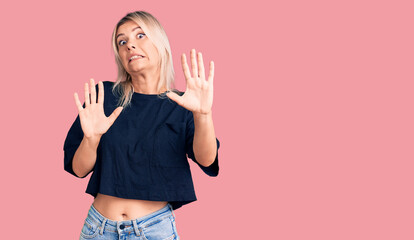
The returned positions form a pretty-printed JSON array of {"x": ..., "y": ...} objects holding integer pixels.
[
  {"x": 72, "y": 142},
  {"x": 211, "y": 170}
]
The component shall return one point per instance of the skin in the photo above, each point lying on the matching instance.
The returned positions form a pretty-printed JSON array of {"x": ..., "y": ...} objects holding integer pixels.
[
  {"x": 198, "y": 98},
  {"x": 144, "y": 72}
]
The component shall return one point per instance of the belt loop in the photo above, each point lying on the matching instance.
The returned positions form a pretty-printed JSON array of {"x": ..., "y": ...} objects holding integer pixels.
[
  {"x": 118, "y": 223},
  {"x": 134, "y": 222},
  {"x": 169, "y": 205},
  {"x": 103, "y": 226}
]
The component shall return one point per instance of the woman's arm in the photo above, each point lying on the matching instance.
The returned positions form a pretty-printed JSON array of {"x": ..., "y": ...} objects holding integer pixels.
[
  {"x": 94, "y": 124},
  {"x": 198, "y": 98},
  {"x": 85, "y": 156},
  {"x": 204, "y": 143}
]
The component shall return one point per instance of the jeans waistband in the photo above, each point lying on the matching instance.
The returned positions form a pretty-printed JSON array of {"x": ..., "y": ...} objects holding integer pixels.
[{"x": 118, "y": 226}]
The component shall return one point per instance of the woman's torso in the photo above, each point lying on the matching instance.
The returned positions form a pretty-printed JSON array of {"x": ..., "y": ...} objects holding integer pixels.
[{"x": 120, "y": 209}]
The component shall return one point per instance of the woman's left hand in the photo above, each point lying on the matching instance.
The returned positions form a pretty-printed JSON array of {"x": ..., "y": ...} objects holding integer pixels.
[{"x": 198, "y": 96}]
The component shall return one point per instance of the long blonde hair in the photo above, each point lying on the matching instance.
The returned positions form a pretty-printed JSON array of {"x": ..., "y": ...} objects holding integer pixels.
[{"x": 156, "y": 34}]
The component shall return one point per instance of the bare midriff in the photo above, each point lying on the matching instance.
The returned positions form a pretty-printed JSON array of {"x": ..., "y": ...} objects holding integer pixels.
[{"x": 121, "y": 209}]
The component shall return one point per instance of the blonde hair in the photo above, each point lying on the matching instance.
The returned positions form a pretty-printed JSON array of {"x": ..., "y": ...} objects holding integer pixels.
[{"x": 156, "y": 34}]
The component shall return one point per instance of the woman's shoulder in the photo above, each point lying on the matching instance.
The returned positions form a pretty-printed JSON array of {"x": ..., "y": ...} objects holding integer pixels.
[
  {"x": 108, "y": 86},
  {"x": 108, "y": 83},
  {"x": 110, "y": 92}
]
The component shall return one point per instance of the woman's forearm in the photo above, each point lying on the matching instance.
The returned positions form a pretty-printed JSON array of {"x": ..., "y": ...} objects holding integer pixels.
[
  {"x": 204, "y": 143},
  {"x": 85, "y": 156}
]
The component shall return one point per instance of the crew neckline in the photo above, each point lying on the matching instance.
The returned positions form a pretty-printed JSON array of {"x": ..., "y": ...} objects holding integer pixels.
[{"x": 149, "y": 96}]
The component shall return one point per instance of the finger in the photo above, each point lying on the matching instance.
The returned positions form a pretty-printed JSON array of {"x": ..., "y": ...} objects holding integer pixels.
[
  {"x": 211, "y": 74},
  {"x": 175, "y": 97},
  {"x": 184, "y": 64},
  {"x": 77, "y": 102},
  {"x": 194, "y": 63},
  {"x": 201, "y": 66},
  {"x": 87, "y": 97},
  {"x": 114, "y": 115},
  {"x": 93, "y": 92},
  {"x": 100, "y": 93}
]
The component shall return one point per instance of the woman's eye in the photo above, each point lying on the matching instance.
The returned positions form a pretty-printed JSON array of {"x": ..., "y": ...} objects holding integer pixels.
[
  {"x": 122, "y": 42},
  {"x": 141, "y": 34}
]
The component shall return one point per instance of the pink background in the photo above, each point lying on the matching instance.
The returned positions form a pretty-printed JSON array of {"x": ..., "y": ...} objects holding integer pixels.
[{"x": 313, "y": 107}]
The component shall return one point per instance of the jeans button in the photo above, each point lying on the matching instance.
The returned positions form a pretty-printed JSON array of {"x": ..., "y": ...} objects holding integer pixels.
[{"x": 121, "y": 226}]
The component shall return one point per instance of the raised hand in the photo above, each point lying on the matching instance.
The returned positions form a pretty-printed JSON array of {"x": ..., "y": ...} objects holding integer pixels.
[
  {"x": 93, "y": 120},
  {"x": 198, "y": 96}
]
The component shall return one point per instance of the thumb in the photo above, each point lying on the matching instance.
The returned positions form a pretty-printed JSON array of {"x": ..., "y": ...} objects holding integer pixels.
[
  {"x": 175, "y": 97},
  {"x": 115, "y": 115}
]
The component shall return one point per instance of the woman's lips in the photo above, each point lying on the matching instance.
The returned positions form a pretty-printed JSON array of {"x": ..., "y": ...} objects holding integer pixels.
[{"x": 135, "y": 58}]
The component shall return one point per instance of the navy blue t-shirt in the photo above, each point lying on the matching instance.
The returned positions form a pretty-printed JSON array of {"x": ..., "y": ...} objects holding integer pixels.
[{"x": 143, "y": 154}]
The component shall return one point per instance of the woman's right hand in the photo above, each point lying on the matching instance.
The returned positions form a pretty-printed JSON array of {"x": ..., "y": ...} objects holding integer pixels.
[{"x": 93, "y": 120}]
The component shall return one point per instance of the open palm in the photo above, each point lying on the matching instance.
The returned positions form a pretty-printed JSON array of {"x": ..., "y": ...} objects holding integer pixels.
[
  {"x": 93, "y": 120},
  {"x": 198, "y": 96}
]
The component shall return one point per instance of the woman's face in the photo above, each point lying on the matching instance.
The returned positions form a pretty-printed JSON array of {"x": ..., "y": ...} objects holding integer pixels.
[{"x": 136, "y": 51}]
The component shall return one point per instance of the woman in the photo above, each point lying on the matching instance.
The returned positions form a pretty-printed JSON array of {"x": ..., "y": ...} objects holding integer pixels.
[{"x": 138, "y": 155}]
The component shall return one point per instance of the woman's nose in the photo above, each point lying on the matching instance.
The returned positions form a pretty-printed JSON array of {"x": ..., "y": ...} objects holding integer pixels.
[{"x": 130, "y": 46}]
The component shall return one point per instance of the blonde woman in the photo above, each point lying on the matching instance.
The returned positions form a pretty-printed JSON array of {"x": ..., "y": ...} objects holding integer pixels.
[{"x": 138, "y": 154}]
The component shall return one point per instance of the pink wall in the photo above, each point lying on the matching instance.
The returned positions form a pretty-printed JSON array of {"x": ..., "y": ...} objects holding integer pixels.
[{"x": 313, "y": 106}]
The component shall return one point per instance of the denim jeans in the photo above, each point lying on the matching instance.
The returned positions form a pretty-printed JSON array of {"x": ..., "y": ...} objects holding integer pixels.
[{"x": 159, "y": 225}]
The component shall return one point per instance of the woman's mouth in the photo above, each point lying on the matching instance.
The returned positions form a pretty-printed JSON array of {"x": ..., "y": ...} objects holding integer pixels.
[{"x": 135, "y": 57}]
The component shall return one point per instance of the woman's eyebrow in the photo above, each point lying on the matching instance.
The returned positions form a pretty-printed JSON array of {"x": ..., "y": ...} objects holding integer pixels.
[{"x": 124, "y": 34}]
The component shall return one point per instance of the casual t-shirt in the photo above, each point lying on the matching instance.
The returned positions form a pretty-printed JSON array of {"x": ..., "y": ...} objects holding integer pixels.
[{"x": 143, "y": 155}]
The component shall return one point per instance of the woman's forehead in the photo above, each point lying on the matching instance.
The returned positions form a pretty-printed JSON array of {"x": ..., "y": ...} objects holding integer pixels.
[{"x": 128, "y": 26}]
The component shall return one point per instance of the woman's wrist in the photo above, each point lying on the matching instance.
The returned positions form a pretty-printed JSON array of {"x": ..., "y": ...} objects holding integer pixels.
[
  {"x": 202, "y": 115},
  {"x": 92, "y": 141}
]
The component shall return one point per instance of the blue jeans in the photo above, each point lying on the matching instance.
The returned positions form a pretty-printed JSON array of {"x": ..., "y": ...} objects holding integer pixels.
[{"x": 159, "y": 225}]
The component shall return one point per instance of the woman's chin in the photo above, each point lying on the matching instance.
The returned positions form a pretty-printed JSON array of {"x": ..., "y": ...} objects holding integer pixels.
[{"x": 135, "y": 68}]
